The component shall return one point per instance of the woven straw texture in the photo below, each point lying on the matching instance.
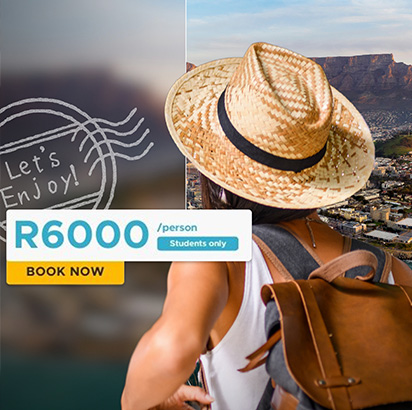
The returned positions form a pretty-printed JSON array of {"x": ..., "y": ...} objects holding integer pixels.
[{"x": 282, "y": 103}]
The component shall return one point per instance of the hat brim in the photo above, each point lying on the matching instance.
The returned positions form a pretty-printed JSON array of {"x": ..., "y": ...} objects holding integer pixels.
[{"x": 191, "y": 117}]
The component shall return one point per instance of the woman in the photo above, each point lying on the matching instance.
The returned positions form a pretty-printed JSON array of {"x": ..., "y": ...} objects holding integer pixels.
[{"x": 269, "y": 134}]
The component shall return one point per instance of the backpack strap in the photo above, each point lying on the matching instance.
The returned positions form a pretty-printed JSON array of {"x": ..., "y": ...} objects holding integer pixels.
[
  {"x": 308, "y": 248},
  {"x": 384, "y": 262},
  {"x": 333, "y": 379},
  {"x": 284, "y": 247},
  {"x": 402, "y": 274},
  {"x": 281, "y": 274},
  {"x": 281, "y": 247},
  {"x": 347, "y": 244}
]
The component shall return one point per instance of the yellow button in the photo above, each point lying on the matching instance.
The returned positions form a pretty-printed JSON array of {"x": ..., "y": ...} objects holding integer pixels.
[{"x": 65, "y": 273}]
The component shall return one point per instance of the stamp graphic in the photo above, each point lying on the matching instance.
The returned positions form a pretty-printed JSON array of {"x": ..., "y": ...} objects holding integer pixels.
[{"x": 53, "y": 155}]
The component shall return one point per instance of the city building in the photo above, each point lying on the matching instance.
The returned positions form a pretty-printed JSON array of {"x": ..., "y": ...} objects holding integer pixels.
[
  {"x": 336, "y": 205},
  {"x": 351, "y": 228},
  {"x": 405, "y": 223},
  {"x": 359, "y": 216},
  {"x": 405, "y": 237},
  {"x": 370, "y": 194},
  {"x": 382, "y": 235},
  {"x": 391, "y": 184},
  {"x": 379, "y": 172},
  {"x": 380, "y": 214}
]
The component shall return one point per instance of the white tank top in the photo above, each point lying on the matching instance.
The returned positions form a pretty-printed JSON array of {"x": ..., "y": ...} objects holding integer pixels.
[{"x": 230, "y": 388}]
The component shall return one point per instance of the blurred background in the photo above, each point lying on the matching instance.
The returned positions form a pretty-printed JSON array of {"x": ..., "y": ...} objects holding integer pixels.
[{"x": 72, "y": 74}]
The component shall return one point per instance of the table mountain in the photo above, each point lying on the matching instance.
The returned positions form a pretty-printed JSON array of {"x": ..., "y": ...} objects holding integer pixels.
[{"x": 373, "y": 81}]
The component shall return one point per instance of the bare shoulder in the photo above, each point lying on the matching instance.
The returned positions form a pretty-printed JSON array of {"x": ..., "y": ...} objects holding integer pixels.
[
  {"x": 197, "y": 292},
  {"x": 197, "y": 271}
]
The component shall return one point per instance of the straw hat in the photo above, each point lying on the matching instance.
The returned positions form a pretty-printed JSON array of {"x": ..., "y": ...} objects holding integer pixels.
[{"x": 271, "y": 129}]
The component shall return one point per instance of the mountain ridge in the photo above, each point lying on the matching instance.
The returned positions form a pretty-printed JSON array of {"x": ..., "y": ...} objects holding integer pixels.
[{"x": 370, "y": 81}]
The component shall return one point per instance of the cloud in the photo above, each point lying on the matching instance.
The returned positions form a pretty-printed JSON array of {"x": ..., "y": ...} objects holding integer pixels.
[{"x": 313, "y": 28}]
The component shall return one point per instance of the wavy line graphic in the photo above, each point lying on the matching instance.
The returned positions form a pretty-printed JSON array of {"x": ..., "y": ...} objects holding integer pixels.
[{"x": 105, "y": 142}]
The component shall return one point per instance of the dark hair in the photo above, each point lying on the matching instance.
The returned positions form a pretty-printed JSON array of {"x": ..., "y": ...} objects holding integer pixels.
[{"x": 213, "y": 198}]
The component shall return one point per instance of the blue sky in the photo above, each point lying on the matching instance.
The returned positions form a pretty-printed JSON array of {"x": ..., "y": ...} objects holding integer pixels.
[
  {"x": 225, "y": 28},
  {"x": 144, "y": 39}
]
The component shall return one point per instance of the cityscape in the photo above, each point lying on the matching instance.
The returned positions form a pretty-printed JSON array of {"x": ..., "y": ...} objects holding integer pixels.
[{"x": 381, "y": 212}]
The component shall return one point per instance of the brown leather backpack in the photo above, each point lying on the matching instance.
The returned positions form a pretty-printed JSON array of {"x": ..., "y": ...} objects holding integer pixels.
[{"x": 346, "y": 343}]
